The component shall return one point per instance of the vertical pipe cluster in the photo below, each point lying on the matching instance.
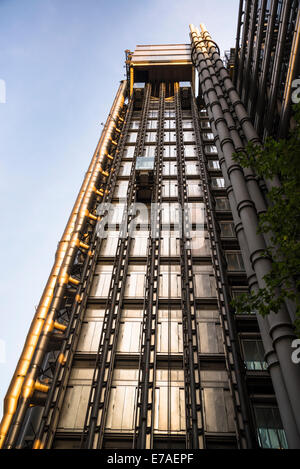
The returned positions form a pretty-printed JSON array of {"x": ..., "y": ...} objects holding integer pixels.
[
  {"x": 23, "y": 381},
  {"x": 277, "y": 330}
]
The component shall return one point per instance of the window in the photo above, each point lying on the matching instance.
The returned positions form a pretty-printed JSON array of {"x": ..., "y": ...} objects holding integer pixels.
[
  {"x": 213, "y": 164},
  {"x": 150, "y": 150},
  {"x": 236, "y": 293},
  {"x": 151, "y": 136},
  {"x": 170, "y": 137},
  {"x": 188, "y": 136},
  {"x": 253, "y": 352},
  {"x": 207, "y": 135},
  {"x": 128, "y": 152},
  {"x": 211, "y": 149},
  {"x": 169, "y": 124},
  {"x": 132, "y": 136},
  {"x": 227, "y": 229},
  {"x": 169, "y": 113},
  {"x": 153, "y": 113},
  {"x": 218, "y": 183},
  {"x": 222, "y": 203},
  {"x": 135, "y": 124},
  {"x": 234, "y": 261},
  {"x": 186, "y": 124},
  {"x": 169, "y": 151},
  {"x": 190, "y": 150},
  {"x": 269, "y": 427},
  {"x": 205, "y": 124},
  {"x": 152, "y": 124}
]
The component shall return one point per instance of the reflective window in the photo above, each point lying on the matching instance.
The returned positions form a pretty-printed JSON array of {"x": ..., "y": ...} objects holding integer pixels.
[
  {"x": 170, "y": 124},
  {"x": 187, "y": 124},
  {"x": 222, "y": 203},
  {"x": 190, "y": 150},
  {"x": 170, "y": 137},
  {"x": 207, "y": 135},
  {"x": 211, "y": 149},
  {"x": 150, "y": 150},
  {"x": 269, "y": 428},
  {"x": 227, "y": 229},
  {"x": 132, "y": 136},
  {"x": 169, "y": 151},
  {"x": 153, "y": 113},
  {"x": 169, "y": 168},
  {"x": 188, "y": 136},
  {"x": 234, "y": 261},
  {"x": 128, "y": 152},
  {"x": 169, "y": 113},
  {"x": 151, "y": 136},
  {"x": 213, "y": 164},
  {"x": 192, "y": 168},
  {"x": 254, "y": 353},
  {"x": 218, "y": 183},
  {"x": 236, "y": 293},
  {"x": 135, "y": 124},
  {"x": 205, "y": 124},
  {"x": 152, "y": 124}
]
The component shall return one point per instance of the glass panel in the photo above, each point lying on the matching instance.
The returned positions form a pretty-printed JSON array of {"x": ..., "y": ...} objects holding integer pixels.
[
  {"x": 149, "y": 150},
  {"x": 152, "y": 124},
  {"x": 187, "y": 124},
  {"x": 269, "y": 428},
  {"x": 211, "y": 149},
  {"x": 234, "y": 261},
  {"x": 254, "y": 355},
  {"x": 207, "y": 135},
  {"x": 218, "y": 182},
  {"x": 188, "y": 136},
  {"x": 204, "y": 124},
  {"x": 213, "y": 164},
  {"x": 135, "y": 124},
  {"x": 169, "y": 151},
  {"x": 145, "y": 162},
  {"x": 132, "y": 136},
  {"x": 227, "y": 229},
  {"x": 190, "y": 150},
  {"x": 169, "y": 124},
  {"x": 128, "y": 152},
  {"x": 153, "y": 113},
  {"x": 170, "y": 137},
  {"x": 151, "y": 136},
  {"x": 222, "y": 203}
]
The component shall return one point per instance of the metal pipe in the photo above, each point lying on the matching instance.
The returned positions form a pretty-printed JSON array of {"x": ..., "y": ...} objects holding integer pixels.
[
  {"x": 248, "y": 59},
  {"x": 243, "y": 47},
  {"x": 261, "y": 95},
  {"x": 256, "y": 60},
  {"x": 59, "y": 271},
  {"x": 271, "y": 358},
  {"x": 281, "y": 329},
  {"x": 237, "y": 42},
  {"x": 215, "y": 246},
  {"x": 291, "y": 74},
  {"x": 277, "y": 67}
]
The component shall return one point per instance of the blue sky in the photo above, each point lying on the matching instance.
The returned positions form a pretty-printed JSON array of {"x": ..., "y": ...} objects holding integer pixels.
[{"x": 62, "y": 61}]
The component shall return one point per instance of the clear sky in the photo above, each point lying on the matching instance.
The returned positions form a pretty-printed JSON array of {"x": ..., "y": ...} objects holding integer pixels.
[{"x": 61, "y": 61}]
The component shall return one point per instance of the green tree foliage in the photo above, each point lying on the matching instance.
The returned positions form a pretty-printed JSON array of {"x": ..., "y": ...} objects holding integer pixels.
[{"x": 281, "y": 222}]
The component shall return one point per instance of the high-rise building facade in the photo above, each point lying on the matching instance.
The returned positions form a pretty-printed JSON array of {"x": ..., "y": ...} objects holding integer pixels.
[{"x": 135, "y": 343}]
